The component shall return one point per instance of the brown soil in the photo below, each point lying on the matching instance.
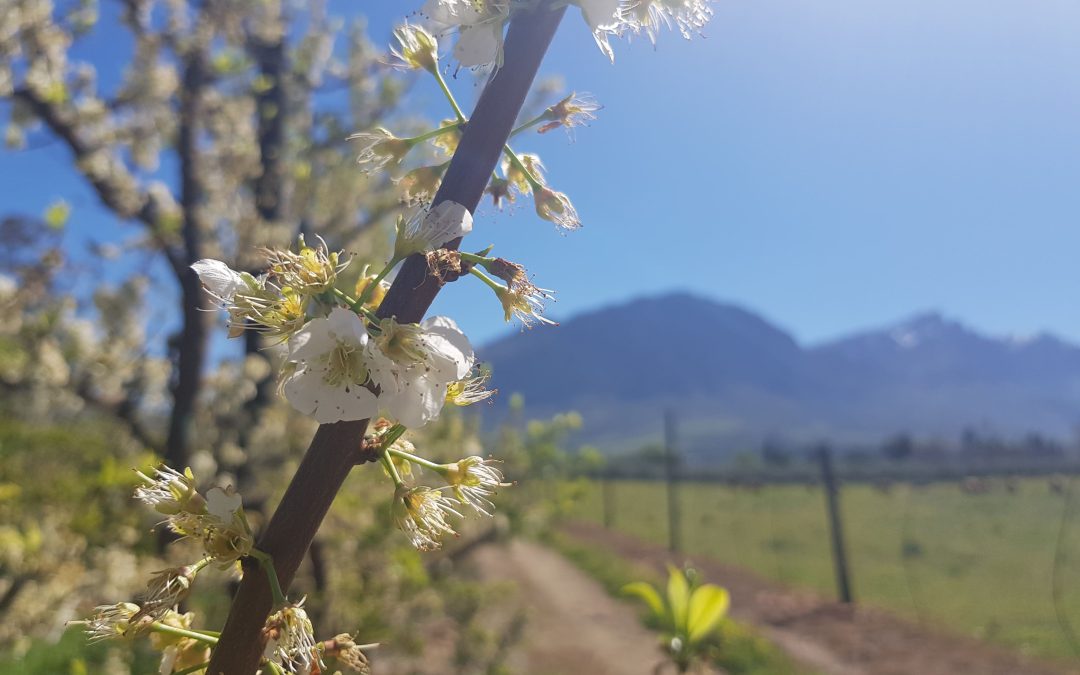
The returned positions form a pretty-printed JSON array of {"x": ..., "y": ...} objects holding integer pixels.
[
  {"x": 573, "y": 625},
  {"x": 826, "y": 636}
]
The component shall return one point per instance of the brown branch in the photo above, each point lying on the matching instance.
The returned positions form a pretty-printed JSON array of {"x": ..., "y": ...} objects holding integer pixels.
[
  {"x": 191, "y": 347},
  {"x": 123, "y": 410},
  {"x": 333, "y": 450}
]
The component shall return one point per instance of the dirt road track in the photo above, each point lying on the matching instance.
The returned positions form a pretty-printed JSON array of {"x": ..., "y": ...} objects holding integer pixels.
[{"x": 574, "y": 626}]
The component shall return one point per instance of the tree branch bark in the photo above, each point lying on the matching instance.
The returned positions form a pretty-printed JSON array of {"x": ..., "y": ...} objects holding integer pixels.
[
  {"x": 334, "y": 448},
  {"x": 191, "y": 348}
]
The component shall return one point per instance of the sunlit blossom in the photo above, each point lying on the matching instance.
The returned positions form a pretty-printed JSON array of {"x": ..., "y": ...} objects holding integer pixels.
[
  {"x": 331, "y": 369},
  {"x": 421, "y": 513},
  {"x": 474, "y": 480}
]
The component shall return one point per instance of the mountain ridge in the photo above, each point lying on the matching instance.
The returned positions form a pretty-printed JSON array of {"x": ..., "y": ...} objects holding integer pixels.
[{"x": 736, "y": 379}]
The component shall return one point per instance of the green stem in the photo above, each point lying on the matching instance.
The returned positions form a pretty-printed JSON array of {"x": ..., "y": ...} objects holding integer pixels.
[
  {"x": 495, "y": 286},
  {"x": 450, "y": 97},
  {"x": 419, "y": 461},
  {"x": 388, "y": 464},
  {"x": 476, "y": 259},
  {"x": 542, "y": 117},
  {"x": 267, "y": 563},
  {"x": 158, "y": 627},
  {"x": 358, "y": 305},
  {"x": 275, "y": 667},
  {"x": 192, "y": 669},
  {"x": 370, "y": 289},
  {"x": 520, "y": 166},
  {"x": 439, "y": 131}
]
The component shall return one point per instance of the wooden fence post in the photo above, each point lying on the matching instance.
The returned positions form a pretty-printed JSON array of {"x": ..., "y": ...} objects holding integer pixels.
[
  {"x": 607, "y": 488},
  {"x": 836, "y": 526}
]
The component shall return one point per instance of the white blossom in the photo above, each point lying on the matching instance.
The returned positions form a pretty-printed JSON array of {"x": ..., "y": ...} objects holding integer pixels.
[
  {"x": 479, "y": 25},
  {"x": 219, "y": 279},
  {"x": 414, "y": 363},
  {"x": 687, "y": 16},
  {"x": 331, "y": 369},
  {"x": 291, "y": 640},
  {"x": 422, "y": 513},
  {"x": 474, "y": 480},
  {"x": 417, "y": 48},
  {"x": 604, "y": 20},
  {"x": 379, "y": 149}
]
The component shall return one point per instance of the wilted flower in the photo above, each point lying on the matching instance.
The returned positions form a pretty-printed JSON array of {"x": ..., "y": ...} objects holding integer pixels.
[
  {"x": 444, "y": 264},
  {"x": 110, "y": 622},
  {"x": 428, "y": 229},
  {"x": 379, "y": 148},
  {"x": 421, "y": 513},
  {"x": 417, "y": 49},
  {"x": 556, "y": 207},
  {"x": 473, "y": 480},
  {"x": 331, "y": 371},
  {"x": 167, "y": 589},
  {"x": 572, "y": 111},
  {"x": 290, "y": 640},
  {"x": 526, "y": 303},
  {"x": 348, "y": 653},
  {"x": 170, "y": 492},
  {"x": 499, "y": 189}
]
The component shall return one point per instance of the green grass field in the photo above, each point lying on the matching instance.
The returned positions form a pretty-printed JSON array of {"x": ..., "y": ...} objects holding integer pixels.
[{"x": 980, "y": 564}]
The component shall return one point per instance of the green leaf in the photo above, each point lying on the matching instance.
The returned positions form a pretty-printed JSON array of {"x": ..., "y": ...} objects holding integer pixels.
[
  {"x": 678, "y": 592},
  {"x": 708, "y": 605},
  {"x": 57, "y": 214},
  {"x": 647, "y": 593}
]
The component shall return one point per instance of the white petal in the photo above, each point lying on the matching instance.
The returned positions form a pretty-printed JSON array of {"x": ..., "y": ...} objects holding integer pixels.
[
  {"x": 338, "y": 404},
  {"x": 600, "y": 13},
  {"x": 345, "y": 325},
  {"x": 303, "y": 390},
  {"x": 382, "y": 369},
  {"x": 479, "y": 44},
  {"x": 311, "y": 341},
  {"x": 417, "y": 404},
  {"x": 222, "y": 505},
  {"x": 450, "y": 346},
  {"x": 444, "y": 223},
  {"x": 218, "y": 278}
]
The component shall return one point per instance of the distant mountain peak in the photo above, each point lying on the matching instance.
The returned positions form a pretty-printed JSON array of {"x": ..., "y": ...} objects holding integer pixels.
[{"x": 736, "y": 379}]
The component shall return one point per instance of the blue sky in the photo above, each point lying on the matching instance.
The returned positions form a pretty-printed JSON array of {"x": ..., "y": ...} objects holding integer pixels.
[{"x": 835, "y": 165}]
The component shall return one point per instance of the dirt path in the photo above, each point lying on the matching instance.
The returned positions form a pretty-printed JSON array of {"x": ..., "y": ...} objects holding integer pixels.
[
  {"x": 829, "y": 637},
  {"x": 574, "y": 626}
]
